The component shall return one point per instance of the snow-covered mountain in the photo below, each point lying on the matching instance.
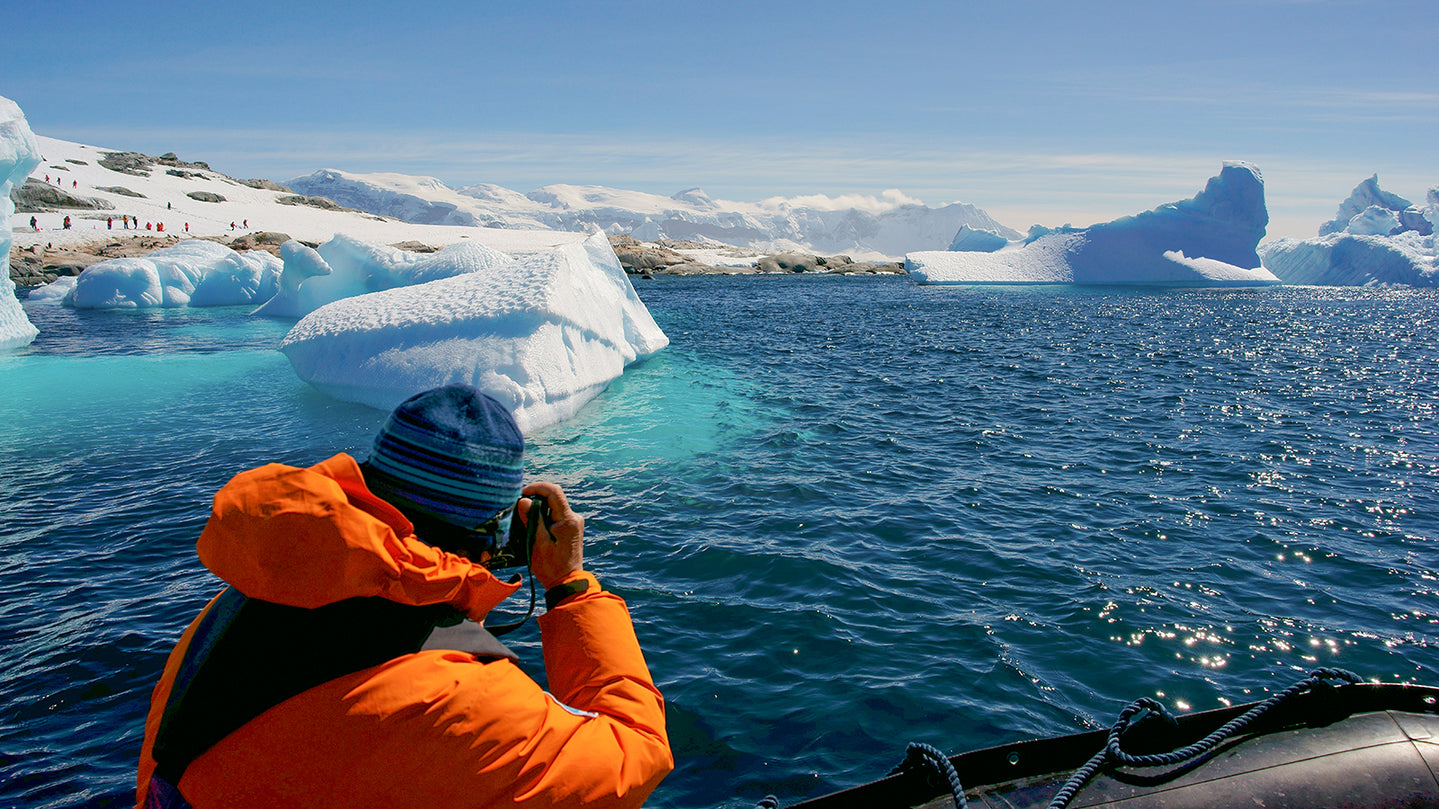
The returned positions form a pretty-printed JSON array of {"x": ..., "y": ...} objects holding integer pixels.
[{"x": 864, "y": 227}]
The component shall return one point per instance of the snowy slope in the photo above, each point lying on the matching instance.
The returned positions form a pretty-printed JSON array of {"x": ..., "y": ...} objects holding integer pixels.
[{"x": 159, "y": 196}]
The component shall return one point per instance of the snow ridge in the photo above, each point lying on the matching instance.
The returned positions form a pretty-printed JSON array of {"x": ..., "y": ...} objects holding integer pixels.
[{"x": 863, "y": 227}]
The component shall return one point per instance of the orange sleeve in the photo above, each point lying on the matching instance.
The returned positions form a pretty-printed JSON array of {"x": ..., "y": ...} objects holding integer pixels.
[{"x": 593, "y": 663}]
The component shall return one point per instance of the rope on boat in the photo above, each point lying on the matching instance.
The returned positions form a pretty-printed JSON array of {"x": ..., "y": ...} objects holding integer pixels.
[
  {"x": 1146, "y": 707},
  {"x": 920, "y": 755}
]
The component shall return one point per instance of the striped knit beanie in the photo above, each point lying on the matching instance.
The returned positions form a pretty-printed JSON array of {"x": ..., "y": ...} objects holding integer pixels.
[{"x": 453, "y": 453}]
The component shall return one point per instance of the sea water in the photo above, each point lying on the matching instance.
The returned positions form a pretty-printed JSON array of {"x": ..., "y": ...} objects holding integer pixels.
[{"x": 846, "y": 513}]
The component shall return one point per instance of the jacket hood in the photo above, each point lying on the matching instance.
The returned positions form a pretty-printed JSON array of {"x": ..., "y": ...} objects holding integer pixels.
[{"x": 311, "y": 537}]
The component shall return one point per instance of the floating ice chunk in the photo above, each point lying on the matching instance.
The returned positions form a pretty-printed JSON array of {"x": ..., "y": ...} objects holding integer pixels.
[
  {"x": 1208, "y": 240},
  {"x": 54, "y": 292},
  {"x": 19, "y": 154},
  {"x": 544, "y": 334},
  {"x": 195, "y": 272},
  {"x": 345, "y": 267}
]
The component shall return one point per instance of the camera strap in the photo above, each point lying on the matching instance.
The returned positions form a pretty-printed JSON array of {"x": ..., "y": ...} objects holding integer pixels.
[{"x": 539, "y": 512}]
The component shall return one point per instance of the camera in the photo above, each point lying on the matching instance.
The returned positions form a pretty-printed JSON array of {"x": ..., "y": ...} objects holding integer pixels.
[{"x": 521, "y": 540}]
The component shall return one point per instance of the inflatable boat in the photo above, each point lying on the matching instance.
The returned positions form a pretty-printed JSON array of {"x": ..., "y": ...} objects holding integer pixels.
[{"x": 1319, "y": 744}]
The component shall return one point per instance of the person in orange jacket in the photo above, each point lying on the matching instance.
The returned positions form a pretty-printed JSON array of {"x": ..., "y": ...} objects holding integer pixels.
[{"x": 346, "y": 663}]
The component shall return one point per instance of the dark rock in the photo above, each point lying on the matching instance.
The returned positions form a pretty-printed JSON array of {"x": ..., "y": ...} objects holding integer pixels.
[
  {"x": 204, "y": 196},
  {"x": 184, "y": 175},
  {"x": 76, "y": 162}
]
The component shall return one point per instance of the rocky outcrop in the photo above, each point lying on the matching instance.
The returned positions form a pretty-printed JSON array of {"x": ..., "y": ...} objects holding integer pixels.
[
  {"x": 38, "y": 264},
  {"x": 205, "y": 196},
  {"x": 841, "y": 265},
  {"x": 265, "y": 185},
  {"x": 121, "y": 190},
  {"x": 266, "y": 240},
  {"x": 313, "y": 202},
  {"x": 664, "y": 258},
  {"x": 37, "y": 197},
  {"x": 132, "y": 163}
]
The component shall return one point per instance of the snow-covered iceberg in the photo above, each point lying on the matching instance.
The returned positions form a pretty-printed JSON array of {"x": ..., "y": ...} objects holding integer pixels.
[
  {"x": 344, "y": 267},
  {"x": 1376, "y": 239},
  {"x": 194, "y": 272},
  {"x": 1209, "y": 240},
  {"x": 543, "y": 333},
  {"x": 19, "y": 155}
]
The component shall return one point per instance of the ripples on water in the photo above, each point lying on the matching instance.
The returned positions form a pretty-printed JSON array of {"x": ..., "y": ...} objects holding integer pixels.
[{"x": 848, "y": 513}]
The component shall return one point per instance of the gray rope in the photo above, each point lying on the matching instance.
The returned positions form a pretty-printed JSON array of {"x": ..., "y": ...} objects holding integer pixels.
[
  {"x": 1146, "y": 706},
  {"x": 921, "y": 754}
]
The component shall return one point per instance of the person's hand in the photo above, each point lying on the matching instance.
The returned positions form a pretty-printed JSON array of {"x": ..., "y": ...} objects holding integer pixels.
[{"x": 559, "y": 547}]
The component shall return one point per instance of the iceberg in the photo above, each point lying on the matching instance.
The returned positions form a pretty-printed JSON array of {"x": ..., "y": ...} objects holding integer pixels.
[
  {"x": 194, "y": 272},
  {"x": 1376, "y": 239},
  {"x": 1209, "y": 240},
  {"x": 19, "y": 155},
  {"x": 543, "y": 333},
  {"x": 344, "y": 267}
]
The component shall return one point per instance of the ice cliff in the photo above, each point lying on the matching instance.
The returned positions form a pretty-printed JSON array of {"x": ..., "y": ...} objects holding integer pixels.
[
  {"x": 1376, "y": 239},
  {"x": 1209, "y": 240},
  {"x": 19, "y": 155}
]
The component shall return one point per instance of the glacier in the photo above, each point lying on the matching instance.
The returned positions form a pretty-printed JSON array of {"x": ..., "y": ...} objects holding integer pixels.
[
  {"x": 544, "y": 333},
  {"x": 861, "y": 226},
  {"x": 1208, "y": 240},
  {"x": 1376, "y": 239},
  {"x": 19, "y": 155}
]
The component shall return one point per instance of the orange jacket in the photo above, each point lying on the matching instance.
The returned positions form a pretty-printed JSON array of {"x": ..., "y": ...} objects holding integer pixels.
[{"x": 432, "y": 728}]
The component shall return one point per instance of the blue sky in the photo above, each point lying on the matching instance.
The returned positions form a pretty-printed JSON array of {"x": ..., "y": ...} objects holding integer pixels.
[{"x": 1037, "y": 112}]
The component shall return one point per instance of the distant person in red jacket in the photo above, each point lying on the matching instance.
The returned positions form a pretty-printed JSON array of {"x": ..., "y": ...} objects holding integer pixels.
[{"x": 347, "y": 665}]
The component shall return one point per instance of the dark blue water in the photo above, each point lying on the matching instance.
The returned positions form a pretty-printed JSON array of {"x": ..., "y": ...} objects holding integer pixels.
[{"x": 847, "y": 513}]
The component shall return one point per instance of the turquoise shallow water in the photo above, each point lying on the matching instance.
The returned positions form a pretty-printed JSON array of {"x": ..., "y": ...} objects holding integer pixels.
[{"x": 848, "y": 513}]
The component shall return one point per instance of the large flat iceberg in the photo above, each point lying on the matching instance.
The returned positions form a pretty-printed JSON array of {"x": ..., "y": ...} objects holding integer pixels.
[
  {"x": 19, "y": 155},
  {"x": 1376, "y": 239},
  {"x": 1209, "y": 240},
  {"x": 543, "y": 333}
]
